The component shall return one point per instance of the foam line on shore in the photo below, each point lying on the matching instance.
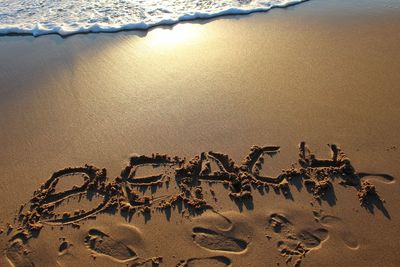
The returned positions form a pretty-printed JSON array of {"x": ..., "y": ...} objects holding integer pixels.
[{"x": 77, "y": 16}]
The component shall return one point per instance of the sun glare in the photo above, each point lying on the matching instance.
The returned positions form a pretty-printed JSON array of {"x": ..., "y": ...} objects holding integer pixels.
[{"x": 179, "y": 34}]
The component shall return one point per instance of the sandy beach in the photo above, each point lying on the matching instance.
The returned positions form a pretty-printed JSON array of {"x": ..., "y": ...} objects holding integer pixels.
[{"x": 183, "y": 145}]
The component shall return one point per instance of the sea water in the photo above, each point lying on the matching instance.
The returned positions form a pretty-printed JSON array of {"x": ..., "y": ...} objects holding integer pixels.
[{"x": 38, "y": 17}]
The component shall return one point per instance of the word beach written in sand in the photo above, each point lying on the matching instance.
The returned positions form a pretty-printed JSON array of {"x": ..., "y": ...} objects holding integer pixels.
[{"x": 128, "y": 194}]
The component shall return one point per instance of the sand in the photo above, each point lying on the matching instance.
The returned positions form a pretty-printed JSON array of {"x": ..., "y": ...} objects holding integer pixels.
[{"x": 83, "y": 118}]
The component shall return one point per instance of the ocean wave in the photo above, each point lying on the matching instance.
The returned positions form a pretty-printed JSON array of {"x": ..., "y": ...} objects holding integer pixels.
[{"x": 66, "y": 17}]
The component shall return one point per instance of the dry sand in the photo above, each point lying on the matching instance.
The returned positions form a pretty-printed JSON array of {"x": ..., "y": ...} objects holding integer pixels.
[{"x": 324, "y": 72}]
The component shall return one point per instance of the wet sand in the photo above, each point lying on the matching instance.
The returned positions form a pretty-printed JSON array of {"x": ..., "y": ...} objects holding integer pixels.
[{"x": 324, "y": 73}]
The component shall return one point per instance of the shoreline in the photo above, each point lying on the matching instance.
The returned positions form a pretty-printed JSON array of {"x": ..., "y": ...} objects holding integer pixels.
[{"x": 141, "y": 26}]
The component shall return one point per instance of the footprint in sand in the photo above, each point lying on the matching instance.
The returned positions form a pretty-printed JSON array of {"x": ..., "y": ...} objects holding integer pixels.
[
  {"x": 18, "y": 254},
  {"x": 278, "y": 223},
  {"x": 217, "y": 261},
  {"x": 216, "y": 241},
  {"x": 102, "y": 243},
  {"x": 301, "y": 242},
  {"x": 337, "y": 225},
  {"x": 292, "y": 242},
  {"x": 313, "y": 238}
]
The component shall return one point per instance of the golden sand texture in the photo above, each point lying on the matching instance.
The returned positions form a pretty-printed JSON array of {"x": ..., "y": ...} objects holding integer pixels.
[{"x": 324, "y": 71}]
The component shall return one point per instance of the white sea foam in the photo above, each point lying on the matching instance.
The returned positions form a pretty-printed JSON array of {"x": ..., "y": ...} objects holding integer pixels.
[{"x": 38, "y": 17}]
